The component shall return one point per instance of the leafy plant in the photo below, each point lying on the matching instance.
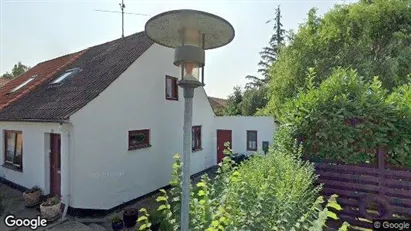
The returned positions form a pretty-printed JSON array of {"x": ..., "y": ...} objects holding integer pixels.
[
  {"x": 264, "y": 193},
  {"x": 51, "y": 201},
  {"x": 346, "y": 118},
  {"x": 116, "y": 219},
  {"x": 34, "y": 189},
  {"x": 372, "y": 38}
]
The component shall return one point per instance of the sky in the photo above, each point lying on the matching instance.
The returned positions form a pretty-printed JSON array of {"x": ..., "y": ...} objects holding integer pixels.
[{"x": 32, "y": 31}]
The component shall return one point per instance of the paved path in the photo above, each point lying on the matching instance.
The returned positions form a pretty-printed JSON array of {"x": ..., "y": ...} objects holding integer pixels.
[{"x": 14, "y": 204}]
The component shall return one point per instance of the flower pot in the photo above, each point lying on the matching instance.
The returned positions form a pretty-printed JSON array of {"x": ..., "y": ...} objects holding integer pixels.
[
  {"x": 32, "y": 198},
  {"x": 50, "y": 212},
  {"x": 130, "y": 216},
  {"x": 116, "y": 226}
]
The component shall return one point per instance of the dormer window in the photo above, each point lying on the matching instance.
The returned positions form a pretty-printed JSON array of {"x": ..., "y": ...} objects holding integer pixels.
[
  {"x": 65, "y": 75},
  {"x": 23, "y": 84}
]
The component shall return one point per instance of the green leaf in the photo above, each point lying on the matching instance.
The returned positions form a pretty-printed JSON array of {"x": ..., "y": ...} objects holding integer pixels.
[
  {"x": 332, "y": 215},
  {"x": 162, "y": 207},
  {"x": 142, "y": 218},
  {"x": 161, "y": 198}
]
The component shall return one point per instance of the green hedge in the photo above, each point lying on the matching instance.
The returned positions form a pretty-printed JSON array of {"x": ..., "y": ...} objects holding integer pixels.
[{"x": 346, "y": 118}]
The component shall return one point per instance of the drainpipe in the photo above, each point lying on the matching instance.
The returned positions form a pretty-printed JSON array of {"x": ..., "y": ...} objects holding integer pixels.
[{"x": 67, "y": 179}]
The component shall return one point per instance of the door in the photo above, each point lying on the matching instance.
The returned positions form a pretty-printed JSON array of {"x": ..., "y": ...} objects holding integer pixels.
[
  {"x": 55, "y": 164},
  {"x": 223, "y": 136}
]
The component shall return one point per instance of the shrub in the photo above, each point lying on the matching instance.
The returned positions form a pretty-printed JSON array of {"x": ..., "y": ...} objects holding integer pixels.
[
  {"x": 270, "y": 192},
  {"x": 347, "y": 118},
  {"x": 51, "y": 201},
  {"x": 34, "y": 189},
  {"x": 116, "y": 219}
]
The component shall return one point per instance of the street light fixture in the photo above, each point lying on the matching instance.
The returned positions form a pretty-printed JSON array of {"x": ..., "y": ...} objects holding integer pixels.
[{"x": 190, "y": 32}]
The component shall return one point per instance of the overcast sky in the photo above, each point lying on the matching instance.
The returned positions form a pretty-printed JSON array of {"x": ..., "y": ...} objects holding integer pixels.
[{"x": 35, "y": 31}]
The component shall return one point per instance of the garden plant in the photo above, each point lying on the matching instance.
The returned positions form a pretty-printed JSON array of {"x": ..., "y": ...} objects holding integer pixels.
[{"x": 273, "y": 192}]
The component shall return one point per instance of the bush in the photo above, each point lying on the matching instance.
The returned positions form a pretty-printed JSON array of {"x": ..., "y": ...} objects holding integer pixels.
[
  {"x": 276, "y": 191},
  {"x": 347, "y": 118}
]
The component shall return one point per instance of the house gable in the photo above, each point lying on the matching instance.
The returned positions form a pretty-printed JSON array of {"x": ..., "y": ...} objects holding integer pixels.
[
  {"x": 136, "y": 101},
  {"x": 100, "y": 66}
]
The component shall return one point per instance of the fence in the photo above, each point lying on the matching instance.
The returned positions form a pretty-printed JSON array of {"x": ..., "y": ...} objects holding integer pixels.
[{"x": 367, "y": 192}]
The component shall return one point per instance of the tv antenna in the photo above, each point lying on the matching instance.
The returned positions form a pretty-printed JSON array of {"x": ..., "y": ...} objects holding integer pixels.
[{"x": 122, "y": 6}]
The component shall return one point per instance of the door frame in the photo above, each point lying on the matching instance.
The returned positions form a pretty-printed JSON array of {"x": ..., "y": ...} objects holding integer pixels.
[
  {"x": 231, "y": 141},
  {"x": 53, "y": 141}
]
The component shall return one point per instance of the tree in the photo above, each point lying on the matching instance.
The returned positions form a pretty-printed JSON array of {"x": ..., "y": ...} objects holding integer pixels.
[
  {"x": 234, "y": 102},
  {"x": 219, "y": 111},
  {"x": 372, "y": 37},
  {"x": 253, "y": 99},
  {"x": 254, "y": 92},
  {"x": 255, "y": 82},
  {"x": 270, "y": 53},
  {"x": 17, "y": 70}
]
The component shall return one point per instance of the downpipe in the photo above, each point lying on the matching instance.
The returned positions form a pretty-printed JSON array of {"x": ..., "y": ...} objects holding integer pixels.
[{"x": 67, "y": 161}]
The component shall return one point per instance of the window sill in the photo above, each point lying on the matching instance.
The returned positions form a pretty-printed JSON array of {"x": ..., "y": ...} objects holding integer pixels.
[
  {"x": 172, "y": 98},
  {"x": 12, "y": 167},
  {"x": 139, "y": 147},
  {"x": 251, "y": 150},
  {"x": 197, "y": 149}
]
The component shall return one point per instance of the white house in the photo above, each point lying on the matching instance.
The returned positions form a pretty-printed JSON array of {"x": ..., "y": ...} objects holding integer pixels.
[{"x": 100, "y": 127}]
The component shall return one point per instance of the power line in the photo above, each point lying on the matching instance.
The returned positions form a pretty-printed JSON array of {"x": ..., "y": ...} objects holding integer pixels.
[
  {"x": 122, "y": 6},
  {"x": 113, "y": 11}
]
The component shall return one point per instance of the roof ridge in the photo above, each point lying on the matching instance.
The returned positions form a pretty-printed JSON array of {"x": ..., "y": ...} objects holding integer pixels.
[
  {"x": 118, "y": 39},
  {"x": 42, "y": 80},
  {"x": 59, "y": 57}
]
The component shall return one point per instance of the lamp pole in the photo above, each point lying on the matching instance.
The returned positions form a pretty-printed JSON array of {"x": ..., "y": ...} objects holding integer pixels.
[
  {"x": 190, "y": 32},
  {"x": 187, "y": 137}
]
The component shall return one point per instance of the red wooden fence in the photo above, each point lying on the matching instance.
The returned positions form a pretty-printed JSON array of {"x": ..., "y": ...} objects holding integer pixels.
[{"x": 363, "y": 189}]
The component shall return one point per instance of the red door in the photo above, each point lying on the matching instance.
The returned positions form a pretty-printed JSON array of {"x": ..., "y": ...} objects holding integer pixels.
[
  {"x": 223, "y": 136},
  {"x": 55, "y": 164}
]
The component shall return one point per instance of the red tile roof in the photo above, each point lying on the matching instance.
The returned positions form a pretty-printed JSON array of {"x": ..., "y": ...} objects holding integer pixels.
[
  {"x": 3, "y": 81},
  {"x": 44, "y": 71},
  {"x": 217, "y": 102},
  {"x": 99, "y": 66}
]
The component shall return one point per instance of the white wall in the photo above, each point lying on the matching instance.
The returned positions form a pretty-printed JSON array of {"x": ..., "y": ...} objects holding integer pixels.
[
  {"x": 36, "y": 144},
  {"x": 239, "y": 125},
  {"x": 104, "y": 173}
]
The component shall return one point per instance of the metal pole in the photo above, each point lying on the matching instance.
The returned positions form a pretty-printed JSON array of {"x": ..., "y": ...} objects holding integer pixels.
[
  {"x": 188, "y": 118},
  {"x": 122, "y": 18}
]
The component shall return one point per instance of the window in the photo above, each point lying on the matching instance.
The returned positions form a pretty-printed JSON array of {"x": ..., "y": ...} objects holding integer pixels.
[
  {"x": 13, "y": 152},
  {"x": 138, "y": 139},
  {"x": 171, "y": 88},
  {"x": 65, "y": 75},
  {"x": 251, "y": 140},
  {"x": 23, "y": 84},
  {"x": 196, "y": 138}
]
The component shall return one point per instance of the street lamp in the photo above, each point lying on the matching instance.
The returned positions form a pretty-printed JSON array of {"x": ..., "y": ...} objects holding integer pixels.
[{"x": 190, "y": 32}]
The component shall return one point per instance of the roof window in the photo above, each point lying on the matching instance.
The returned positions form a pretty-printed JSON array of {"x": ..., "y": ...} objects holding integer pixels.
[
  {"x": 23, "y": 84},
  {"x": 65, "y": 75}
]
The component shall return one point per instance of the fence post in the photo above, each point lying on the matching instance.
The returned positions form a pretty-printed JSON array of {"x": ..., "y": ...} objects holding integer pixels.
[{"x": 381, "y": 169}]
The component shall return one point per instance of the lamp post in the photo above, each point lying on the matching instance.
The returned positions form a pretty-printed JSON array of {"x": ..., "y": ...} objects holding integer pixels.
[{"x": 190, "y": 32}]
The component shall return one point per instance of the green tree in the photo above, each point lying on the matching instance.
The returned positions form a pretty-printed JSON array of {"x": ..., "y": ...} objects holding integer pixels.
[
  {"x": 253, "y": 100},
  {"x": 347, "y": 118},
  {"x": 234, "y": 102},
  {"x": 17, "y": 70},
  {"x": 219, "y": 111},
  {"x": 269, "y": 54},
  {"x": 372, "y": 37}
]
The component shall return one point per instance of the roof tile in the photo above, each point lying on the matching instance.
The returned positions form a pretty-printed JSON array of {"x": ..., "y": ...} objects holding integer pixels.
[
  {"x": 100, "y": 66},
  {"x": 44, "y": 71}
]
